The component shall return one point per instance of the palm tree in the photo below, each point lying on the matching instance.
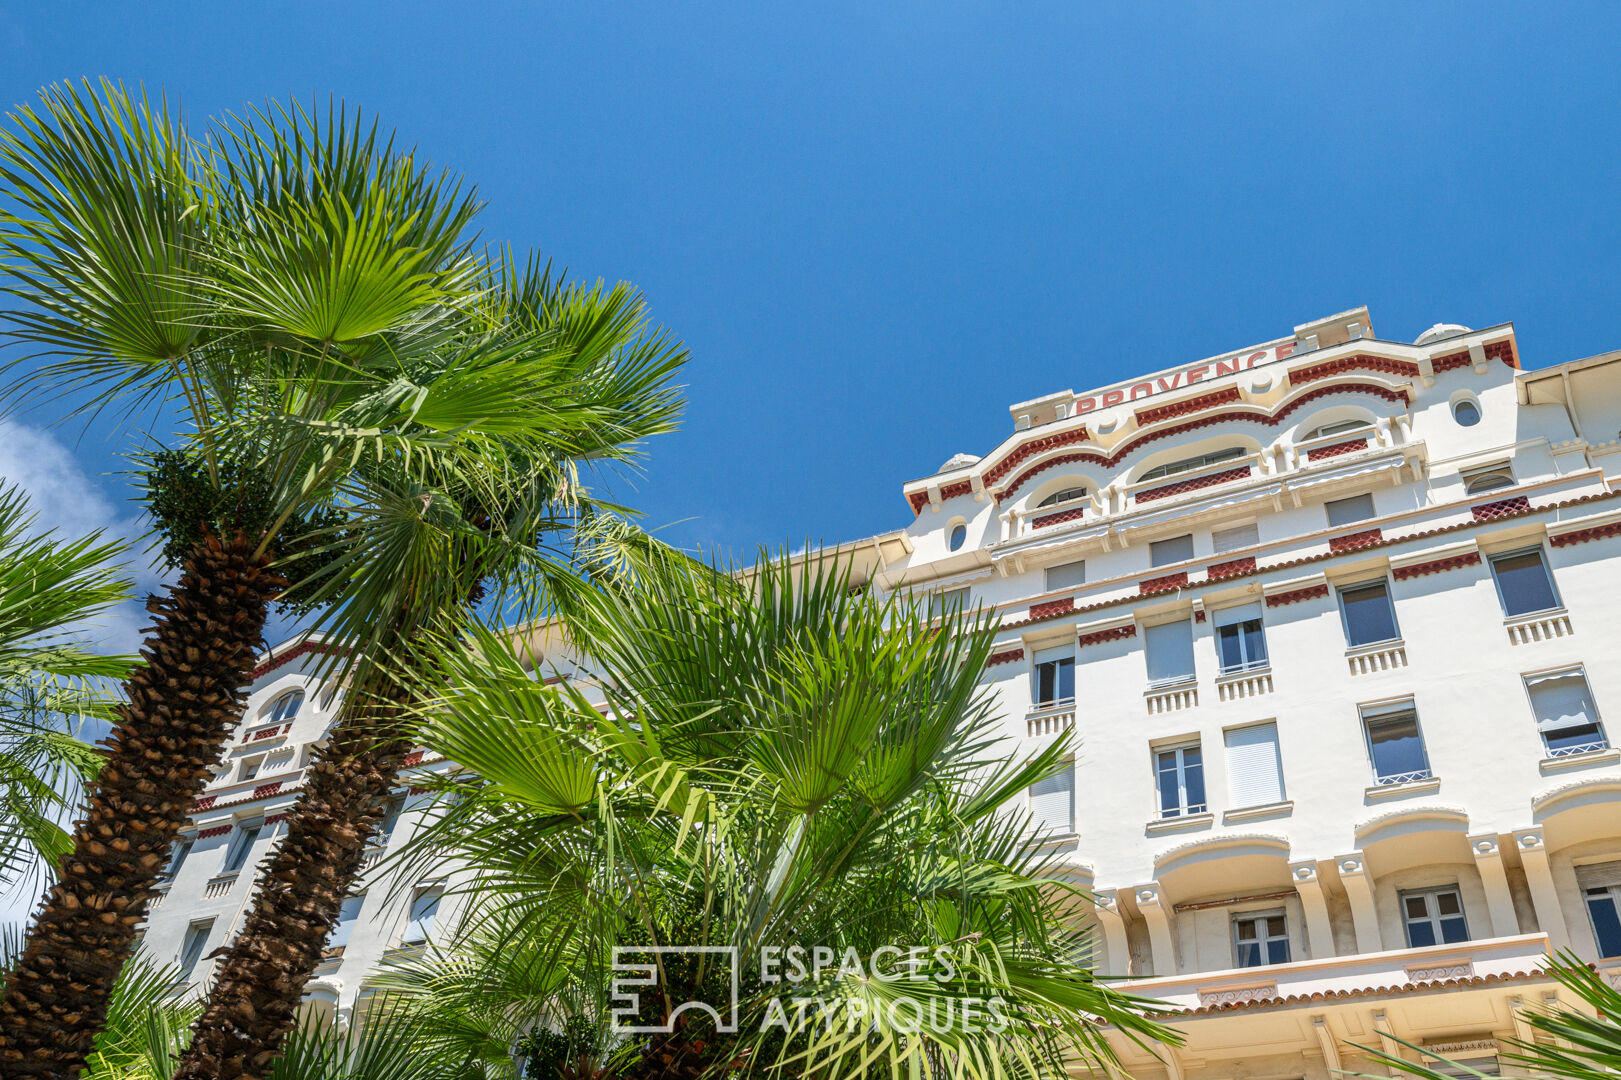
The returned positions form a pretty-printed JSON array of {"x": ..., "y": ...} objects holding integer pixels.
[
  {"x": 302, "y": 300},
  {"x": 1582, "y": 1042},
  {"x": 49, "y": 588},
  {"x": 774, "y": 765}
]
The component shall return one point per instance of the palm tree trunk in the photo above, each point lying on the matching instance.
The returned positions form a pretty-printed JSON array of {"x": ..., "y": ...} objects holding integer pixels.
[
  {"x": 182, "y": 705},
  {"x": 259, "y": 982}
]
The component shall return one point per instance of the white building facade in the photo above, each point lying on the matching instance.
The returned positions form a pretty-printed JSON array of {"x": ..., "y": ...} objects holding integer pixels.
[{"x": 1330, "y": 621}]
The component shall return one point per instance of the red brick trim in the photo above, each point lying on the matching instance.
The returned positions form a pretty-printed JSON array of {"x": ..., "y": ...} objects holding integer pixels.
[
  {"x": 217, "y": 830},
  {"x": 1450, "y": 361},
  {"x": 1198, "y": 616},
  {"x": 1310, "y": 592},
  {"x": 1355, "y": 541},
  {"x": 1231, "y": 568},
  {"x": 265, "y": 790},
  {"x": 1435, "y": 566},
  {"x": 1491, "y": 511},
  {"x": 1191, "y": 405},
  {"x": 1097, "y": 637},
  {"x": 417, "y": 791},
  {"x": 1226, "y": 476},
  {"x": 961, "y": 487},
  {"x": 1007, "y": 656},
  {"x": 413, "y": 758},
  {"x": 205, "y": 802},
  {"x": 1051, "y": 608},
  {"x": 918, "y": 500},
  {"x": 303, "y": 648},
  {"x": 1074, "y": 513},
  {"x": 1361, "y": 361},
  {"x": 1150, "y": 586},
  {"x": 276, "y": 819},
  {"x": 1582, "y": 536},
  {"x": 1031, "y": 448},
  {"x": 1349, "y": 446},
  {"x": 1504, "y": 351}
]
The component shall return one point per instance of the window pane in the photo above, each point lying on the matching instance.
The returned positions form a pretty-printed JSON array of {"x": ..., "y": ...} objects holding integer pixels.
[
  {"x": 1420, "y": 934},
  {"x": 1396, "y": 745},
  {"x": 1066, "y": 680},
  {"x": 1417, "y": 908},
  {"x": 1346, "y": 511},
  {"x": 1602, "y": 907},
  {"x": 1254, "y": 643},
  {"x": 1169, "y": 647},
  {"x": 1454, "y": 930},
  {"x": 1066, "y": 576},
  {"x": 1176, "y": 549},
  {"x": 1230, "y": 646},
  {"x": 1277, "y": 952},
  {"x": 1447, "y": 903},
  {"x": 1249, "y": 955},
  {"x": 1239, "y": 536},
  {"x": 1524, "y": 583},
  {"x": 1193, "y": 778},
  {"x": 1368, "y": 615}
]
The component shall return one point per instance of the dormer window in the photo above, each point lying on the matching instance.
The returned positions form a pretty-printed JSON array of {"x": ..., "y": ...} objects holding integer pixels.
[
  {"x": 1338, "y": 427},
  {"x": 1172, "y": 468},
  {"x": 1068, "y": 494}
]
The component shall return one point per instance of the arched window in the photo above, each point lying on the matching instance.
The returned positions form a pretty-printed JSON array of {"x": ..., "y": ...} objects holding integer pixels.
[
  {"x": 1189, "y": 464},
  {"x": 1466, "y": 412},
  {"x": 1338, "y": 427},
  {"x": 1064, "y": 495},
  {"x": 959, "y": 536},
  {"x": 286, "y": 707},
  {"x": 1489, "y": 479}
]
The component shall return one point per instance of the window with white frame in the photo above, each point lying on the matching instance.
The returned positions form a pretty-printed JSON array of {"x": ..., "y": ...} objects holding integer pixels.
[
  {"x": 391, "y": 818},
  {"x": 1235, "y": 538},
  {"x": 1348, "y": 511},
  {"x": 1433, "y": 916},
  {"x": 236, "y": 853},
  {"x": 1486, "y": 478},
  {"x": 286, "y": 707},
  {"x": 1601, "y": 889},
  {"x": 424, "y": 908},
  {"x": 1168, "y": 647},
  {"x": 1395, "y": 744},
  {"x": 1063, "y": 495},
  {"x": 1179, "y": 772},
  {"x": 177, "y": 855},
  {"x": 959, "y": 536},
  {"x": 1254, "y": 766},
  {"x": 1066, "y": 575},
  {"x": 1567, "y": 718},
  {"x": 949, "y": 600},
  {"x": 1174, "y": 549},
  {"x": 1259, "y": 938},
  {"x": 250, "y": 767},
  {"x": 191, "y": 945},
  {"x": 1240, "y": 638},
  {"x": 1052, "y": 801},
  {"x": 1052, "y": 676},
  {"x": 1172, "y": 468},
  {"x": 1524, "y": 583},
  {"x": 348, "y": 915},
  {"x": 1367, "y": 614},
  {"x": 1338, "y": 427}
]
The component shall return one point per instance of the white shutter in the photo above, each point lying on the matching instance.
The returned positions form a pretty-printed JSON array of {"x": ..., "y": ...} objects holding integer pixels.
[
  {"x": 1239, "y": 536},
  {"x": 1062, "y": 652},
  {"x": 1066, "y": 575},
  {"x": 1346, "y": 511},
  {"x": 1561, "y": 701},
  {"x": 1604, "y": 875},
  {"x": 1254, "y": 768},
  {"x": 1170, "y": 650},
  {"x": 1241, "y": 613},
  {"x": 1052, "y": 801},
  {"x": 1176, "y": 549}
]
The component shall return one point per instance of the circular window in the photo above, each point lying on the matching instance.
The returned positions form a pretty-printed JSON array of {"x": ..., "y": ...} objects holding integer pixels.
[
  {"x": 959, "y": 536},
  {"x": 1466, "y": 412}
]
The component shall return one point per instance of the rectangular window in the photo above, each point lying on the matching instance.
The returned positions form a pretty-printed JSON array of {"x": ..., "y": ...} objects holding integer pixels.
[
  {"x": 1566, "y": 716},
  {"x": 1066, "y": 576},
  {"x": 950, "y": 600},
  {"x": 1260, "y": 938},
  {"x": 1169, "y": 648},
  {"x": 1348, "y": 511},
  {"x": 1394, "y": 743},
  {"x": 1524, "y": 584},
  {"x": 1368, "y": 614},
  {"x": 1052, "y": 801},
  {"x": 1054, "y": 676},
  {"x": 1254, "y": 766},
  {"x": 1176, "y": 549},
  {"x": 177, "y": 855},
  {"x": 250, "y": 767},
  {"x": 1240, "y": 638},
  {"x": 1235, "y": 538},
  {"x": 348, "y": 915},
  {"x": 1433, "y": 916},
  {"x": 1601, "y": 888},
  {"x": 391, "y": 818},
  {"x": 1180, "y": 774},
  {"x": 191, "y": 946},
  {"x": 424, "y": 906},
  {"x": 241, "y": 842}
]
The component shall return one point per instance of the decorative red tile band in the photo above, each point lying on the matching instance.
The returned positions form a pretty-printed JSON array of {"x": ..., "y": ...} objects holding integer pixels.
[
  {"x": 413, "y": 758},
  {"x": 1310, "y": 592},
  {"x": 276, "y": 819},
  {"x": 1349, "y": 446},
  {"x": 1449, "y": 362},
  {"x": 205, "y": 802},
  {"x": 961, "y": 487},
  {"x": 1436, "y": 566},
  {"x": 918, "y": 499},
  {"x": 1006, "y": 657},
  {"x": 1220, "y": 570},
  {"x": 264, "y": 790},
  {"x": 1582, "y": 536},
  {"x": 1198, "y": 616},
  {"x": 1355, "y": 541},
  {"x": 1191, "y": 405},
  {"x": 1097, "y": 637},
  {"x": 1504, "y": 351},
  {"x": 1030, "y": 449},
  {"x": 1359, "y": 362},
  {"x": 302, "y": 649},
  {"x": 1150, "y": 586},
  {"x": 1075, "y": 513},
  {"x": 217, "y": 830},
  {"x": 1051, "y": 608},
  {"x": 1502, "y": 508},
  {"x": 1226, "y": 476}
]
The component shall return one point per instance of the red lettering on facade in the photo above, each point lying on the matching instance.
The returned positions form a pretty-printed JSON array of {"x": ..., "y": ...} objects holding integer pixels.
[
  {"x": 1226, "y": 367},
  {"x": 1172, "y": 385},
  {"x": 1086, "y": 404},
  {"x": 1195, "y": 374},
  {"x": 1145, "y": 387},
  {"x": 1114, "y": 397}
]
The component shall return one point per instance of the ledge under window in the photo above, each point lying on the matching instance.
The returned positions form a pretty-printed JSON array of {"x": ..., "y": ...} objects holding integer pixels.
[
  {"x": 1184, "y": 823},
  {"x": 1425, "y": 786},
  {"x": 1604, "y": 755},
  {"x": 1258, "y": 813}
]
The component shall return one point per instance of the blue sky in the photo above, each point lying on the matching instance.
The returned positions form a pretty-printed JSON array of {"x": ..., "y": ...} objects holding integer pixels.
[{"x": 877, "y": 225}]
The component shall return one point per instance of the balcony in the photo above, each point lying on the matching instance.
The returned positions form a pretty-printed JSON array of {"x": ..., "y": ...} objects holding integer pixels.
[{"x": 1050, "y": 718}]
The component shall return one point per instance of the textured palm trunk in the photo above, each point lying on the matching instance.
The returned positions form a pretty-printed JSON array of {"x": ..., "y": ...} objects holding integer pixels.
[
  {"x": 259, "y": 982},
  {"x": 182, "y": 704}
]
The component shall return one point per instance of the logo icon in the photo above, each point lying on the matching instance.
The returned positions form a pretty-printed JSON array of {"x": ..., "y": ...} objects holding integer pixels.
[{"x": 630, "y": 975}]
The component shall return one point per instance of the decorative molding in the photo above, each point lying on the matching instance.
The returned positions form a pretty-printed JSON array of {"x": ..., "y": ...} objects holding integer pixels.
[
  {"x": 1435, "y": 566},
  {"x": 1491, "y": 511},
  {"x": 1241, "y": 996},
  {"x": 1361, "y": 361},
  {"x": 1582, "y": 536},
  {"x": 213, "y": 831},
  {"x": 303, "y": 648},
  {"x": 1007, "y": 656},
  {"x": 1295, "y": 596},
  {"x": 1226, "y": 476},
  {"x": 961, "y": 487},
  {"x": 276, "y": 819},
  {"x": 1114, "y": 633},
  {"x": 1450, "y": 361},
  {"x": 265, "y": 790},
  {"x": 204, "y": 803},
  {"x": 1230, "y": 568},
  {"x": 1032, "y": 447},
  {"x": 1504, "y": 351},
  {"x": 1454, "y": 970},
  {"x": 1355, "y": 541},
  {"x": 1190, "y": 405},
  {"x": 1051, "y": 608},
  {"x": 1349, "y": 446},
  {"x": 1074, "y": 513},
  {"x": 1153, "y": 586},
  {"x": 413, "y": 758}
]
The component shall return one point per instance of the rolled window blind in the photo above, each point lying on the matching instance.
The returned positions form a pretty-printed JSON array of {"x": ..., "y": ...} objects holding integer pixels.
[
  {"x": 1562, "y": 701},
  {"x": 1254, "y": 767},
  {"x": 1241, "y": 613},
  {"x": 1052, "y": 801}
]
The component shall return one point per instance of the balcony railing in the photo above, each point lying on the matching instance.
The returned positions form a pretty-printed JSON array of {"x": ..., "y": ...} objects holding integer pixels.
[
  {"x": 1050, "y": 718},
  {"x": 1592, "y": 746},
  {"x": 1404, "y": 778}
]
